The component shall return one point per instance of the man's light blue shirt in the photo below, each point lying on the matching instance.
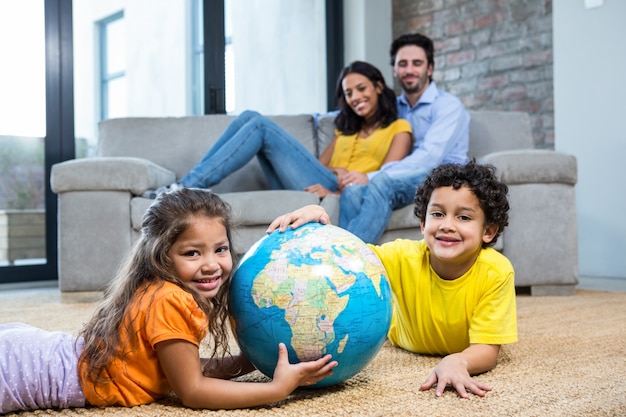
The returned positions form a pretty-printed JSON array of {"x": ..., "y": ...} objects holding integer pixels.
[{"x": 440, "y": 126}]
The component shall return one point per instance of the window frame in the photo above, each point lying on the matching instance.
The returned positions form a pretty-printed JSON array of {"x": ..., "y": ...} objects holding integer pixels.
[{"x": 106, "y": 77}]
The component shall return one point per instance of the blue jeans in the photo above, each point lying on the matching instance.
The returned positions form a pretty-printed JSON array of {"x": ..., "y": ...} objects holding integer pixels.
[
  {"x": 365, "y": 210},
  {"x": 286, "y": 163}
]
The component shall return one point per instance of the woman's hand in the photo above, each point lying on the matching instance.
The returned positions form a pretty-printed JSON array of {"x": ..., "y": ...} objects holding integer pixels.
[
  {"x": 319, "y": 190},
  {"x": 295, "y": 219},
  {"x": 348, "y": 178}
]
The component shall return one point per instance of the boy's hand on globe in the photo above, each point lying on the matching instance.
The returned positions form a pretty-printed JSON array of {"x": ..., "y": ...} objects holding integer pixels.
[
  {"x": 291, "y": 376},
  {"x": 295, "y": 219}
]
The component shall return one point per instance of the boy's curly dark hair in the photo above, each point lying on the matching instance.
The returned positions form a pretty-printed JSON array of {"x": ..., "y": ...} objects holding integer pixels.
[{"x": 481, "y": 180}]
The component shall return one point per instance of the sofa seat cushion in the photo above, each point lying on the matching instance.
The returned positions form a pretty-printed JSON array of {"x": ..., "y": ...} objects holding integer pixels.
[{"x": 250, "y": 208}]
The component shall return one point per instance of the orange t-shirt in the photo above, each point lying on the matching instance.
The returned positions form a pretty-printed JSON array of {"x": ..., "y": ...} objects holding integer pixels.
[{"x": 163, "y": 312}]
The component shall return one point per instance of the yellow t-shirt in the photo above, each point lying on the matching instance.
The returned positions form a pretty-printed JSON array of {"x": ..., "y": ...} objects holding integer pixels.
[
  {"x": 366, "y": 154},
  {"x": 438, "y": 317},
  {"x": 164, "y": 312}
]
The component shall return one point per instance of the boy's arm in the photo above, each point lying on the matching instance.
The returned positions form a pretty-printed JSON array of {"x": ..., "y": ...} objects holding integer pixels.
[
  {"x": 306, "y": 214},
  {"x": 456, "y": 370}
]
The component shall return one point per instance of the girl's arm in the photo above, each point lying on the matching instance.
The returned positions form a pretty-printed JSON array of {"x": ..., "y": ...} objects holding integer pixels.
[
  {"x": 182, "y": 366},
  {"x": 228, "y": 367},
  {"x": 401, "y": 146}
]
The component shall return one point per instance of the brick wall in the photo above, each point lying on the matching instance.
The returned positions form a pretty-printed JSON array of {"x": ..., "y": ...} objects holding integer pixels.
[{"x": 492, "y": 54}]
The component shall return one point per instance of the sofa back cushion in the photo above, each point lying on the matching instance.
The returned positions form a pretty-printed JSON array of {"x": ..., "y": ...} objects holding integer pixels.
[
  {"x": 325, "y": 130},
  {"x": 490, "y": 131},
  {"x": 495, "y": 131},
  {"x": 178, "y": 143}
]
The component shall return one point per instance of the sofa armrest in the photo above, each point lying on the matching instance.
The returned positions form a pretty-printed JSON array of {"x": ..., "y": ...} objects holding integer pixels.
[
  {"x": 135, "y": 175},
  {"x": 533, "y": 166}
]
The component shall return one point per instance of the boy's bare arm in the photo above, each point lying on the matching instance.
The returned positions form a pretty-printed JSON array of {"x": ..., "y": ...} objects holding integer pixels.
[
  {"x": 456, "y": 370},
  {"x": 306, "y": 214}
]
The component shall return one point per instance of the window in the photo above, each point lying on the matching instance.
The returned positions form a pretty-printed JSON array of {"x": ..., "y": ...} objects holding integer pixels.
[
  {"x": 45, "y": 60},
  {"x": 112, "y": 67}
]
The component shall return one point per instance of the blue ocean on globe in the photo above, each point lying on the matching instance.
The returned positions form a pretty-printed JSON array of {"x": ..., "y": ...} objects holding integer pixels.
[{"x": 318, "y": 289}]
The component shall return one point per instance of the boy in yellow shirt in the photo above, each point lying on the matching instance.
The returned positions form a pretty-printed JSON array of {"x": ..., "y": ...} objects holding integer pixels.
[{"x": 454, "y": 294}]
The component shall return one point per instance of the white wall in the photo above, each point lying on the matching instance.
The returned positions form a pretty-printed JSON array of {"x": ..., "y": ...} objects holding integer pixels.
[
  {"x": 156, "y": 59},
  {"x": 590, "y": 91},
  {"x": 368, "y": 34},
  {"x": 279, "y": 56}
]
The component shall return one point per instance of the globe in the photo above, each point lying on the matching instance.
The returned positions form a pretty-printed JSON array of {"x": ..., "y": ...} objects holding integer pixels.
[{"x": 318, "y": 289}]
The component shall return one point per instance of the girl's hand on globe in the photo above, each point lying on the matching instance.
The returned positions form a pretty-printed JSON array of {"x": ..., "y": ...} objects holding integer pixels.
[
  {"x": 295, "y": 219},
  {"x": 290, "y": 376}
]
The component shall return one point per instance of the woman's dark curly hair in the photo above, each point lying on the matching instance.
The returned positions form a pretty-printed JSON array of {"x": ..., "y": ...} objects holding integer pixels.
[
  {"x": 347, "y": 121},
  {"x": 481, "y": 180}
]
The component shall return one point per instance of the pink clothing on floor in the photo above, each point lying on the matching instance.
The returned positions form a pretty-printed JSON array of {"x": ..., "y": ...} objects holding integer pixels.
[{"x": 38, "y": 369}]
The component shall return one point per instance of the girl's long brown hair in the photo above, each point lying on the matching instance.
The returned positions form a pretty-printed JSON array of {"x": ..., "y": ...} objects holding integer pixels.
[{"x": 164, "y": 221}]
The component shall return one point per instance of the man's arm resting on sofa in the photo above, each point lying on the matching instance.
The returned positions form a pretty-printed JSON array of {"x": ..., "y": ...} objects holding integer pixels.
[{"x": 135, "y": 175}]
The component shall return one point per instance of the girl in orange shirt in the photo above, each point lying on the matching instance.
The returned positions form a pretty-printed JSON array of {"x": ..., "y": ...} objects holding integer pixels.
[{"x": 143, "y": 341}]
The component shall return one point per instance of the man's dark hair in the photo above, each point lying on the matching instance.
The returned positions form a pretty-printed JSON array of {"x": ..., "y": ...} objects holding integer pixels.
[
  {"x": 481, "y": 180},
  {"x": 416, "y": 39}
]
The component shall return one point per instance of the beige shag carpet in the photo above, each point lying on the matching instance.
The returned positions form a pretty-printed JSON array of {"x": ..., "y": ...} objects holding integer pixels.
[{"x": 570, "y": 361}]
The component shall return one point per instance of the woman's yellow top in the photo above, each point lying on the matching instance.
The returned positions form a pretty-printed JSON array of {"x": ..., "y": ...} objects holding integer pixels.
[{"x": 366, "y": 154}]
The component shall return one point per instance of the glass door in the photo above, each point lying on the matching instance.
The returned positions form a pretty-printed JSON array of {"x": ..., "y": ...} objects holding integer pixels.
[
  {"x": 34, "y": 133},
  {"x": 22, "y": 134}
]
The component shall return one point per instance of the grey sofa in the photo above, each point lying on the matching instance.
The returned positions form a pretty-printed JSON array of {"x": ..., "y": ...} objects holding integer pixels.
[{"x": 100, "y": 203}]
